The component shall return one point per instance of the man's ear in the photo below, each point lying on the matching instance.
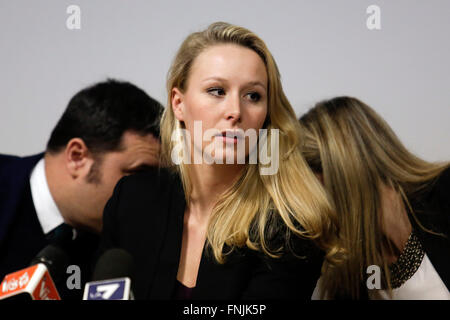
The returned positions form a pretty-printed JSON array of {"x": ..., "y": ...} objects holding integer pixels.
[
  {"x": 77, "y": 158},
  {"x": 177, "y": 99}
]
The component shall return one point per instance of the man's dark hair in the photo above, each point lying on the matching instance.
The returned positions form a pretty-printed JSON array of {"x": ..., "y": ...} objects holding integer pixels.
[{"x": 101, "y": 113}]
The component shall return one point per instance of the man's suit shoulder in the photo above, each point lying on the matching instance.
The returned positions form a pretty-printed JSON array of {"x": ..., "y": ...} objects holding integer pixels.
[
  {"x": 6, "y": 158},
  {"x": 15, "y": 172},
  {"x": 9, "y": 164}
]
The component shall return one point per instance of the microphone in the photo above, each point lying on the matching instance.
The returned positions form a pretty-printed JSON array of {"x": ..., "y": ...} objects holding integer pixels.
[
  {"x": 112, "y": 277},
  {"x": 35, "y": 282}
]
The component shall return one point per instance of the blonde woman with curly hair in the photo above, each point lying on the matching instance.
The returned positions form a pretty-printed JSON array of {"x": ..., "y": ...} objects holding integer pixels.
[
  {"x": 222, "y": 226},
  {"x": 393, "y": 207}
]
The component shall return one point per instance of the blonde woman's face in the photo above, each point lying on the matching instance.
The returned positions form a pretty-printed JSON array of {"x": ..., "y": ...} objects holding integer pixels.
[{"x": 226, "y": 90}]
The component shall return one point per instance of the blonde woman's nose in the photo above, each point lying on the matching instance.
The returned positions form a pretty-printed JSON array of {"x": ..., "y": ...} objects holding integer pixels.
[{"x": 233, "y": 109}]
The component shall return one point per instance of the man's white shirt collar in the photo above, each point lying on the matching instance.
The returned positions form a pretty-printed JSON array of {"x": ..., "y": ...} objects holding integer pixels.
[{"x": 47, "y": 212}]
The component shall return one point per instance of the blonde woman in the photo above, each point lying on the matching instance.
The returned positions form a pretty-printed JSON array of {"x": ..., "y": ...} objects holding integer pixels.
[
  {"x": 205, "y": 227},
  {"x": 393, "y": 208}
]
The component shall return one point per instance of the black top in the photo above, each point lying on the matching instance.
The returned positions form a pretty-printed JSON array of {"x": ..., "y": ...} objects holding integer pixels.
[
  {"x": 432, "y": 209},
  {"x": 145, "y": 217}
]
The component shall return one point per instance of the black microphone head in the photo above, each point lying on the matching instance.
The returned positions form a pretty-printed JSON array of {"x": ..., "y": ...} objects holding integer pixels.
[
  {"x": 114, "y": 263},
  {"x": 55, "y": 259}
]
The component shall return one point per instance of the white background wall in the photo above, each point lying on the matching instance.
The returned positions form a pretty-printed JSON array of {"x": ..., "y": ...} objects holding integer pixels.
[{"x": 323, "y": 48}]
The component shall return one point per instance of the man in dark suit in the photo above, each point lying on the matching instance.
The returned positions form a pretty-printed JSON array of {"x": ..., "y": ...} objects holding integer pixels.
[{"x": 108, "y": 130}]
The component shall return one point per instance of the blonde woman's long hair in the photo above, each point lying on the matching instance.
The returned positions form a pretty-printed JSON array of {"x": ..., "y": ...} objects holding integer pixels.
[
  {"x": 248, "y": 210},
  {"x": 356, "y": 152}
]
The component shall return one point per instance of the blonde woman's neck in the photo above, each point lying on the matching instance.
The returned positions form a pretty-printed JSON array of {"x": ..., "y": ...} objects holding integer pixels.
[{"x": 209, "y": 182}]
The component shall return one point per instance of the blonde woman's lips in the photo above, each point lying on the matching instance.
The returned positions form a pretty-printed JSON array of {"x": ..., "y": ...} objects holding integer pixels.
[{"x": 230, "y": 136}]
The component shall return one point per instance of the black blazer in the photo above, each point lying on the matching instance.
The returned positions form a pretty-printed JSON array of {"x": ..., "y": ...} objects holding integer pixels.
[
  {"x": 145, "y": 217},
  {"x": 432, "y": 209},
  {"x": 21, "y": 234}
]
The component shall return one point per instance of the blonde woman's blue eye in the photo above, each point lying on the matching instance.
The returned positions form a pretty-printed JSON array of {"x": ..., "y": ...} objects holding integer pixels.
[{"x": 216, "y": 91}]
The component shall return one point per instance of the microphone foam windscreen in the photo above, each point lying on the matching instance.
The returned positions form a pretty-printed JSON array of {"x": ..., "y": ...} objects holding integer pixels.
[
  {"x": 114, "y": 263},
  {"x": 54, "y": 258}
]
